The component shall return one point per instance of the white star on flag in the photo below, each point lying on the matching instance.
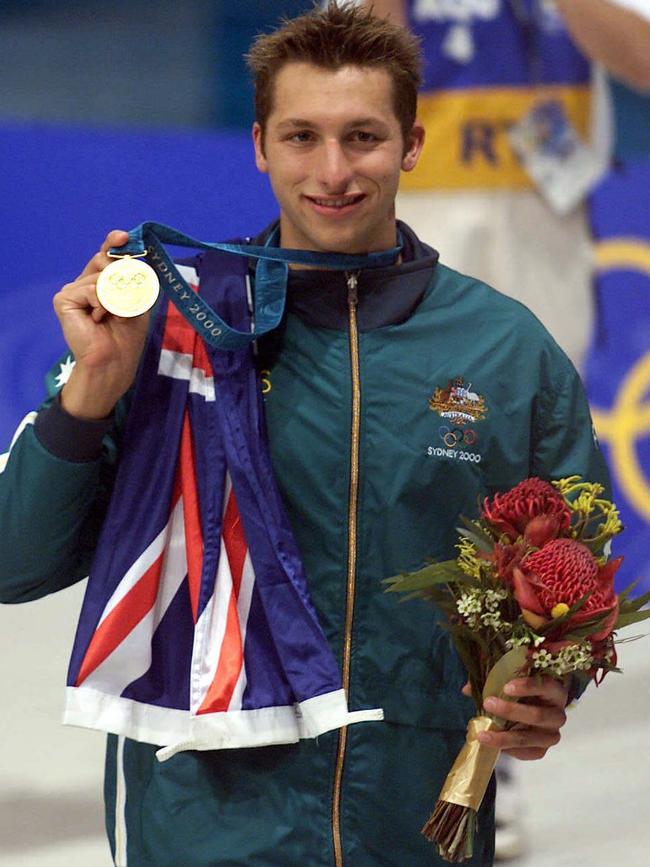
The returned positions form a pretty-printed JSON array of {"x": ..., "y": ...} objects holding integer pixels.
[{"x": 64, "y": 373}]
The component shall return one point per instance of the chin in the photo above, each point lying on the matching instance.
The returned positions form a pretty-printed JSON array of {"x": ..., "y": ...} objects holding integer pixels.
[{"x": 341, "y": 242}]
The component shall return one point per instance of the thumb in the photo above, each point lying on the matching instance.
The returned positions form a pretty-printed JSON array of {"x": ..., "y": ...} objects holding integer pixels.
[{"x": 115, "y": 238}]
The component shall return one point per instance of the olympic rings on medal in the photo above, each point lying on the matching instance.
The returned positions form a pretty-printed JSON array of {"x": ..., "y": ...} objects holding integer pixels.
[{"x": 453, "y": 436}]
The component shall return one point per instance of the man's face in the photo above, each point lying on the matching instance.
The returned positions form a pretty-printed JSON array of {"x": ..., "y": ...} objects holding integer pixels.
[{"x": 333, "y": 150}]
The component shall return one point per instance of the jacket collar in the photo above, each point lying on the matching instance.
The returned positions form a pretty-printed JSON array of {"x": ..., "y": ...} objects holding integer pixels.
[{"x": 387, "y": 296}]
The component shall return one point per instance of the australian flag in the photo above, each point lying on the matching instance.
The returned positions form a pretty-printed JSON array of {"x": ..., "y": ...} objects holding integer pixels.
[{"x": 197, "y": 631}]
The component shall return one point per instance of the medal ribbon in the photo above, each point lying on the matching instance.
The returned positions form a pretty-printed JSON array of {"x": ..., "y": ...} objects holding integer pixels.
[{"x": 270, "y": 278}]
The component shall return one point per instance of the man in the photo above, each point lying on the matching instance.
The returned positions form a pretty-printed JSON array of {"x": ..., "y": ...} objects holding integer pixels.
[{"x": 370, "y": 487}]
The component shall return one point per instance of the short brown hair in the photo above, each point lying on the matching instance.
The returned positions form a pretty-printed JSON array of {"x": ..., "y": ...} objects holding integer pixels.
[{"x": 339, "y": 36}]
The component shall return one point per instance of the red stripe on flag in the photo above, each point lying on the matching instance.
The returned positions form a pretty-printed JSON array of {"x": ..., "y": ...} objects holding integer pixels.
[
  {"x": 231, "y": 657},
  {"x": 191, "y": 516},
  {"x": 179, "y": 334},
  {"x": 235, "y": 541},
  {"x": 202, "y": 359},
  {"x": 126, "y": 615}
]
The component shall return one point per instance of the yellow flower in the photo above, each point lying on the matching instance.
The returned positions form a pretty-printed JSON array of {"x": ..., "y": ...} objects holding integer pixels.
[
  {"x": 559, "y": 609},
  {"x": 612, "y": 524},
  {"x": 467, "y": 558},
  {"x": 584, "y": 502}
]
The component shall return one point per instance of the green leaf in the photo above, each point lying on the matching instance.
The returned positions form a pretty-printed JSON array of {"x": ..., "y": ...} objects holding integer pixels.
[
  {"x": 629, "y": 638},
  {"x": 622, "y": 596},
  {"x": 635, "y": 604},
  {"x": 476, "y": 534},
  {"x": 585, "y": 630},
  {"x": 503, "y": 671},
  {"x": 439, "y": 596},
  {"x": 627, "y": 619},
  {"x": 447, "y": 572}
]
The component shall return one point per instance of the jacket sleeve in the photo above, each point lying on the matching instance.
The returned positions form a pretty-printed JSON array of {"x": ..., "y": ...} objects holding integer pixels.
[
  {"x": 55, "y": 483},
  {"x": 565, "y": 443},
  {"x": 564, "y": 439}
]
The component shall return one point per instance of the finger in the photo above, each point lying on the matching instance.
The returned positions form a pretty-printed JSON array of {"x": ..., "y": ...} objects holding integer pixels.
[
  {"x": 526, "y": 755},
  {"x": 98, "y": 262},
  {"x": 467, "y": 690},
  {"x": 79, "y": 295},
  {"x": 520, "y": 738},
  {"x": 115, "y": 238},
  {"x": 546, "y": 716},
  {"x": 546, "y": 688},
  {"x": 98, "y": 313}
]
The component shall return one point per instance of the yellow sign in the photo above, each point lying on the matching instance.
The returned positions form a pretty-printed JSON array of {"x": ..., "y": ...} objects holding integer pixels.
[
  {"x": 628, "y": 420},
  {"x": 621, "y": 427},
  {"x": 466, "y": 144}
]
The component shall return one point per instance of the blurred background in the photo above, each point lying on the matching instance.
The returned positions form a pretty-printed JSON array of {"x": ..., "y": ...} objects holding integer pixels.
[{"x": 115, "y": 113}]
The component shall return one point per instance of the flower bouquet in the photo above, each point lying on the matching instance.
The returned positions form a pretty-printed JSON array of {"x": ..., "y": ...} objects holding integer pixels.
[{"x": 531, "y": 592}]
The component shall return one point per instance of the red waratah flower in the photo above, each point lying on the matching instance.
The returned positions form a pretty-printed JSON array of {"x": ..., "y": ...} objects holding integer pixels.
[
  {"x": 549, "y": 581},
  {"x": 532, "y": 508},
  {"x": 505, "y": 558}
]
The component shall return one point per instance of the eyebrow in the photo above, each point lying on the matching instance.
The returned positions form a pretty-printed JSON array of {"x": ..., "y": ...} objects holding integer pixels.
[{"x": 296, "y": 122}]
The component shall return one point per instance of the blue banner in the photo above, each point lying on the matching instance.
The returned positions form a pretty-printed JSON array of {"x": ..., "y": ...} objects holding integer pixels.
[
  {"x": 618, "y": 368},
  {"x": 63, "y": 189}
]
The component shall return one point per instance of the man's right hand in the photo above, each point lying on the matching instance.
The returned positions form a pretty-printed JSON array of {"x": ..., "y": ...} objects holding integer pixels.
[{"x": 106, "y": 348}]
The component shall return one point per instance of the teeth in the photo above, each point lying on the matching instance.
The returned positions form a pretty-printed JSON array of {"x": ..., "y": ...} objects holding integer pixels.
[{"x": 336, "y": 203}]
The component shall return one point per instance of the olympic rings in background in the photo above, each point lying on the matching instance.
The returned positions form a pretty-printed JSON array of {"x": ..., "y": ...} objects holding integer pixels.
[{"x": 453, "y": 436}]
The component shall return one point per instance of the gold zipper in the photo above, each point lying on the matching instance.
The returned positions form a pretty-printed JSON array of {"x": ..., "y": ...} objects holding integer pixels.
[{"x": 355, "y": 430}]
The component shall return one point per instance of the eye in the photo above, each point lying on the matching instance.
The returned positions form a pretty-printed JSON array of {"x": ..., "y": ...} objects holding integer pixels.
[
  {"x": 301, "y": 137},
  {"x": 363, "y": 137}
]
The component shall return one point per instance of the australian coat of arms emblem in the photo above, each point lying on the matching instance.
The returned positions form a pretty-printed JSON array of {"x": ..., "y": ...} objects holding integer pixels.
[{"x": 458, "y": 402}]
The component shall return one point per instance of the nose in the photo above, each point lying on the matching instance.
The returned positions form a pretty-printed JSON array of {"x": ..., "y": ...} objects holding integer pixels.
[{"x": 333, "y": 168}]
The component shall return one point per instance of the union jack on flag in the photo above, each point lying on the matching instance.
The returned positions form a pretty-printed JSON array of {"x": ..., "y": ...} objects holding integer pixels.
[{"x": 197, "y": 631}]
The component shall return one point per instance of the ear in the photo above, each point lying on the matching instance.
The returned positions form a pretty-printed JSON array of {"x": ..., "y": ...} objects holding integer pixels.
[
  {"x": 414, "y": 147},
  {"x": 260, "y": 159}
]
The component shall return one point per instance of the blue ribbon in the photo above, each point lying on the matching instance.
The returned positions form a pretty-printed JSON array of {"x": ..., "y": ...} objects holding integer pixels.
[{"x": 270, "y": 278}]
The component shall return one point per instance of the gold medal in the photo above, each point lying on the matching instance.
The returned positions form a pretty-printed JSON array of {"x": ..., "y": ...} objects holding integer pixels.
[{"x": 127, "y": 287}]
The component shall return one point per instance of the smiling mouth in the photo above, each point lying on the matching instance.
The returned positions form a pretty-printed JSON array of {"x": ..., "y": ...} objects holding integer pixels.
[{"x": 336, "y": 204}]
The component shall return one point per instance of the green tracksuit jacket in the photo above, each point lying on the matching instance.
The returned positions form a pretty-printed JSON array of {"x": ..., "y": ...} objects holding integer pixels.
[{"x": 374, "y": 476}]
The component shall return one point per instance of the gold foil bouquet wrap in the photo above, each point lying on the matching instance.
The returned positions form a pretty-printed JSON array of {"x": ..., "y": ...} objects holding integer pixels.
[
  {"x": 452, "y": 820},
  {"x": 531, "y": 592}
]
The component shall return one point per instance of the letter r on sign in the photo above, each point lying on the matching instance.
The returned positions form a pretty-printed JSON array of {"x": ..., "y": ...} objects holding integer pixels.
[{"x": 478, "y": 139}]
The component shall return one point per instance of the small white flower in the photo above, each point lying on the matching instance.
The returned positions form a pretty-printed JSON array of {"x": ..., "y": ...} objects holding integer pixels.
[
  {"x": 516, "y": 641},
  {"x": 491, "y": 618},
  {"x": 469, "y": 603},
  {"x": 543, "y": 659},
  {"x": 575, "y": 657},
  {"x": 493, "y": 598}
]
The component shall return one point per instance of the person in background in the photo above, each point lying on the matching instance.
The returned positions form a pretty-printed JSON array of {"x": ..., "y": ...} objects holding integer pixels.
[
  {"x": 486, "y": 64},
  {"x": 616, "y": 34}
]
